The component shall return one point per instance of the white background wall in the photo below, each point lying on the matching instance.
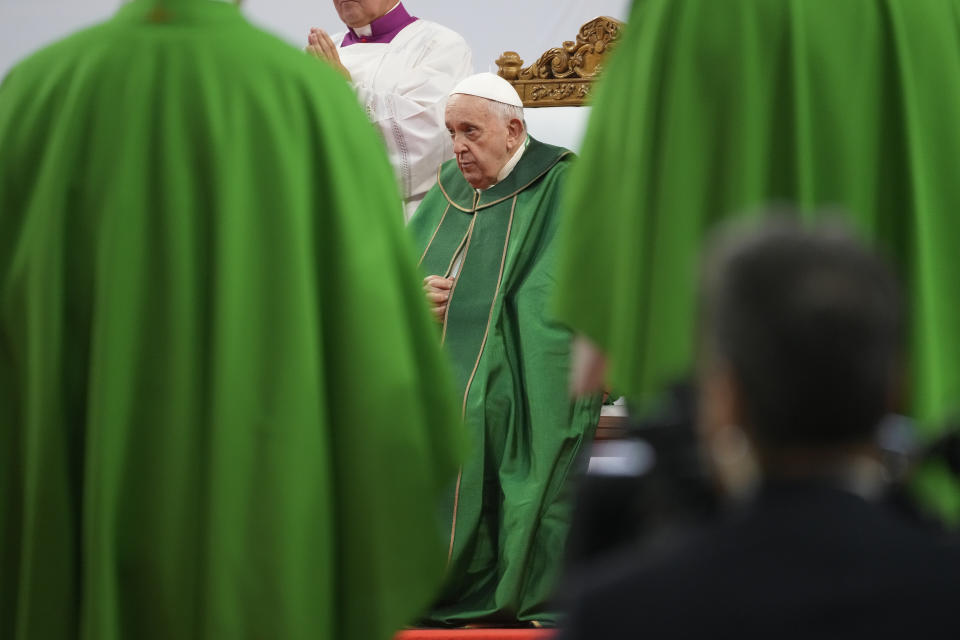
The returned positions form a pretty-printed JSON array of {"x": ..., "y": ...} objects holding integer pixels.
[{"x": 529, "y": 27}]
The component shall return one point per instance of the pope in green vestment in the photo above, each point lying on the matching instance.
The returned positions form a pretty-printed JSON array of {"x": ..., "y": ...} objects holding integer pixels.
[
  {"x": 509, "y": 516},
  {"x": 711, "y": 110},
  {"x": 224, "y": 409}
]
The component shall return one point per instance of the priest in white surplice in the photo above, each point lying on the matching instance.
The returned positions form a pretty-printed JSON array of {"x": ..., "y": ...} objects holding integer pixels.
[{"x": 402, "y": 68}]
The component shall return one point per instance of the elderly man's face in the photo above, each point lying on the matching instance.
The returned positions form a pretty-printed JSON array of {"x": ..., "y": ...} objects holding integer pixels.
[
  {"x": 482, "y": 141},
  {"x": 358, "y": 13}
]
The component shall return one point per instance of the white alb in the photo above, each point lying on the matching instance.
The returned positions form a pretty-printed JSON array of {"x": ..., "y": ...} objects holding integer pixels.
[{"x": 403, "y": 86}]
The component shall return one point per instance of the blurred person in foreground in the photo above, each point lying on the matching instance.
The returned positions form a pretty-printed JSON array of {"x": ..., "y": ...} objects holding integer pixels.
[
  {"x": 196, "y": 283},
  {"x": 402, "y": 68},
  {"x": 800, "y": 359},
  {"x": 713, "y": 108},
  {"x": 486, "y": 233}
]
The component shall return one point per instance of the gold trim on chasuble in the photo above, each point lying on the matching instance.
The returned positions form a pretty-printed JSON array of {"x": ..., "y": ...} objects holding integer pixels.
[
  {"x": 476, "y": 364},
  {"x": 434, "y": 236},
  {"x": 476, "y": 203},
  {"x": 467, "y": 237},
  {"x": 477, "y": 206}
]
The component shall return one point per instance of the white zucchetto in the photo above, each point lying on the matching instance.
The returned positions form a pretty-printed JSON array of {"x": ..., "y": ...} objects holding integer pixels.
[{"x": 489, "y": 86}]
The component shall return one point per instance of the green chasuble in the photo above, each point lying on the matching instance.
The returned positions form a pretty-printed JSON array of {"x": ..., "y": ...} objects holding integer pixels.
[
  {"x": 508, "y": 519},
  {"x": 711, "y": 110},
  {"x": 224, "y": 409}
]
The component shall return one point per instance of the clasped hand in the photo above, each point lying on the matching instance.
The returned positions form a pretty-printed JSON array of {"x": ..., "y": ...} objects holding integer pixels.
[
  {"x": 321, "y": 46},
  {"x": 438, "y": 291}
]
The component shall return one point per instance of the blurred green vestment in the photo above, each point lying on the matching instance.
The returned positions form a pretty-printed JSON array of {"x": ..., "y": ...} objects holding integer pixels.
[
  {"x": 224, "y": 411},
  {"x": 711, "y": 110},
  {"x": 510, "y": 514}
]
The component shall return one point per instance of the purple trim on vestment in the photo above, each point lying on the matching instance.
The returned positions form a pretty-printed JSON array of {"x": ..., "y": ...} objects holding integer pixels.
[{"x": 384, "y": 29}]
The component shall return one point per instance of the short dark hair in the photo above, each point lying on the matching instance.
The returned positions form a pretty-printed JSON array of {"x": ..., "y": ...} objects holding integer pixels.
[{"x": 810, "y": 321}]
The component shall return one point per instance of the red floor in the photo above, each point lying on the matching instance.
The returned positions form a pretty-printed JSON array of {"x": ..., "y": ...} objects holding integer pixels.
[{"x": 476, "y": 634}]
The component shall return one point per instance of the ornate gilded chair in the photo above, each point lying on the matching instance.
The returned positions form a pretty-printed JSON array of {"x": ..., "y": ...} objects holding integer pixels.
[{"x": 563, "y": 76}]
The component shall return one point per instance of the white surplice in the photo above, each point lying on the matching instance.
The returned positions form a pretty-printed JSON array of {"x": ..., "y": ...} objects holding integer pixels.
[{"x": 403, "y": 86}]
